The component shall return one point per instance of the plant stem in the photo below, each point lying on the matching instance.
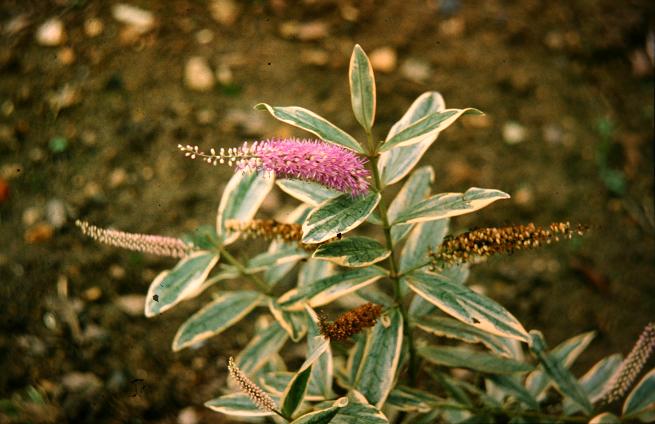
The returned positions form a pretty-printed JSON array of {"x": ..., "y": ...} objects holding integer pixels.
[
  {"x": 242, "y": 269},
  {"x": 393, "y": 265}
]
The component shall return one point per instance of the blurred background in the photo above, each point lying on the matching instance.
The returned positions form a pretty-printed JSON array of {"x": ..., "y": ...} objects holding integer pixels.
[{"x": 95, "y": 96}]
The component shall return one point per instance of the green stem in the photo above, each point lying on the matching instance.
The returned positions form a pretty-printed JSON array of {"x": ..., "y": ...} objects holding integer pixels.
[
  {"x": 243, "y": 271},
  {"x": 393, "y": 265}
]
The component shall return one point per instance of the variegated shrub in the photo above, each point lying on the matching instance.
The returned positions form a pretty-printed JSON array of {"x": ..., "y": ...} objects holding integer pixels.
[{"x": 413, "y": 318}]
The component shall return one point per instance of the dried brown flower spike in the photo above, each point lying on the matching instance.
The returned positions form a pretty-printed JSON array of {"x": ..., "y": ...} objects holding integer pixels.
[
  {"x": 351, "y": 322},
  {"x": 499, "y": 240},
  {"x": 254, "y": 392},
  {"x": 269, "y": 229}
]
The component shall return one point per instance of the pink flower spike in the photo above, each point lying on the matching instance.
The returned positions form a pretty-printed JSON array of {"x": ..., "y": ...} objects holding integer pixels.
[{"x": 309, "y": 160}]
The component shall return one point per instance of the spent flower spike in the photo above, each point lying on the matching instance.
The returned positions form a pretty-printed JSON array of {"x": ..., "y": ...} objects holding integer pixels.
[{"x": 309, "y": 160}]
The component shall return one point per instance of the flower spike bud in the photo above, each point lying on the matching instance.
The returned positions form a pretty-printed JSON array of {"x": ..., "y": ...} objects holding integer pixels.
[
  {"x": 309, "y": 160},
  {"x": 156, "y": 245},
  {"x": 631, "y": 366},
  {"x": 498, "y": 240},
  {"x": 259, "y": 397},
  {"x": 351, "y": 322}
]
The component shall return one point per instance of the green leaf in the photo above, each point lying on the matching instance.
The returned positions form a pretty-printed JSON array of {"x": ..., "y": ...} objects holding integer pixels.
[
  {"x": 513, "y": 388},
  {"x": 292, "y": 322},
  {"x": 203, "y": 237},
  {"x": 434, "y": 122},
  {"x": 445, "y": 205},
  {"x": 594, "y": 381},
  {"x": 564, "y": 381},
  {"x": 182, "y": 282},
  {"x": 322, "y": 374},
  {"x": 394, "y": 164},
  {"x": 353, "y": 252},
  {"x": 362, "y": 88},
  {"x": 223, "y": 312},
  {"x": 314, "y": 270},
  {"x": 451, "y": 328},
  {"x": 415, "y": 189},
  {"x": 287, "y": 253},
  {"x": 412, "y": 400},
  {"x": 322, "y": 416},
  {"x": 381, "y": 357},
  {"x": 237, "y": 404},
  {"x": 266, "y": 342},
  {"x": 419, "y": 307},
  {"x": 306, "y": 191},
  {"x": 605, "y": 418},
  {"x": 338, "y": 216},
  {"x": 425, "y": 236},
  {"x": 241, "y": 198},
  {"x": 295, "y": 391},
  {"x": 466, "y": 305},
  {"x": 460, "y": 357},
  {"x": 565, "y": 353},
  {"x": 359, "y": 411},
  {"x": 640, "y": 403},
  {"x": 315, "y": 124},
  {"x": 355, "y": 355},
  {"x": 330, "y": 288}
]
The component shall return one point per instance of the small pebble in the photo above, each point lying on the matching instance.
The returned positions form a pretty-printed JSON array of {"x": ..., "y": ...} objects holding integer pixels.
[
  {"x": 66, "y": 56},
  {"x": 81, "y": 382},
  {"x": 65, "y": 97},
  {"x": 117, "y": 272},
  {"x": 92, "y": 294},
  {"x": 198, "y": 75},
  {"x": 138, "y": 19},
  {"x": 132, "y": 304},
  {"x": 117, "y": 177},
  {"x": 224, "y": 74},
  {"x": 416, "y": 70},
  {"x": 93, "y": 27},
  {"x": 204, "y": 36},
  {"x": 477, "y": 121},
  {"x": 51, "y": 33},
  {"x": 384, "y": 59},
  {"x": 56, "y": 213},
  {"x": 514, "y": 133},
  {"x": 453, "y": 27},
  {"x": 188, "y": 416},
  {"x": 310, "y": 31},
  {"x": 39, "y": 233},
  {"x": 553, "y": 134},
  {"x": 225, "y": 12},
  {"x": 31, "y": 215}
]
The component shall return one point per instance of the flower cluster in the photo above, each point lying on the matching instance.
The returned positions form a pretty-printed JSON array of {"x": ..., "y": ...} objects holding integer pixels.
[
  {"x": 498, "y": 240},
  {"x": 269, "y": 229},
  {"x": 156, "y": 245},
  {"x": 631, "y": 366},
  {"x": 309, "y": 160},
  {"x": 351, "y": 322},
  {"x": 259, "y": 397}
]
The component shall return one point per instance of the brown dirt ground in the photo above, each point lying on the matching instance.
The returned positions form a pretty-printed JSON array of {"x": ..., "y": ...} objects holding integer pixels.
[{"x": 571, "y": 73}]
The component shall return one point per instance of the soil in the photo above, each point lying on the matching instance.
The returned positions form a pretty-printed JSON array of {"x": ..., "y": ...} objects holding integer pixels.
[{"x": 89, "y": 129}]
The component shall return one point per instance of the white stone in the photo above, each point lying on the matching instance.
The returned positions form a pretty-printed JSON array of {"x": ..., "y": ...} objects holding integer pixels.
[
  {"x": 51, "y": 33},
  {"x": 198, "y": 75},
  {"x": 384, "y": 59},
  {"x": 139, "y": 19},
  {"x": 514, "y": 133}
]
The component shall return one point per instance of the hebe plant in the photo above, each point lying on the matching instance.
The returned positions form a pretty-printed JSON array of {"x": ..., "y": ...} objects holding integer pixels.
[{"x": 389, "y": 358}]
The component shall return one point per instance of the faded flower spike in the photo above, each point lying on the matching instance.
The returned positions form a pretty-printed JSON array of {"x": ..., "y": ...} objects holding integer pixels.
[
  {"x": 308, "y": 160},
  {"x": 259, "y": 397},
  {"x": 631, "y": 366},
  {"x": 156, "y": 245},
  {"x": 351, "y": 322},
  {"x": 498, "y": 240}
]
